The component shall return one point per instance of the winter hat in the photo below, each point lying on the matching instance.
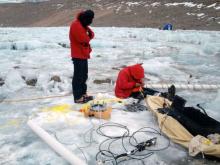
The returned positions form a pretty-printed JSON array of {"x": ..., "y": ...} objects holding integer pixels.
[
  {"x": 89, "y": 14},
  {"x": 137, "y": 71},
  {"x": 86, "y": 17}
]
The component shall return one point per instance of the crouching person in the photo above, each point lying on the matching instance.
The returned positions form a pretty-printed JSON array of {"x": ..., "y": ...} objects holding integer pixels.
[{"x": 130, "y": 84}]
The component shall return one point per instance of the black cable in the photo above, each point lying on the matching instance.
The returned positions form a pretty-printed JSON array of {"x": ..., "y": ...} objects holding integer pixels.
[
  {"x": 91, "y": 130},
  {"x": 154, "y": 131},
  {"x": 129, "y": 160},
  {"x": 79, "y": 148},
  {"x": 136, "y": 153},
  {"x": 204, "y": 111},
  {"x": 100, "y": 147},
  {"x": 133, "y": 154},
  {"x": 111, "y": 124},
  {"x": 116, "y": 156},
  {"x": 102, "y": 153}
]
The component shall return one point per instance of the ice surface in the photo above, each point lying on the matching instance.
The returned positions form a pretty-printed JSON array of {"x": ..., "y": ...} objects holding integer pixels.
[
  {"x": 41, "y": 53},
  {"x": 14, "y": 81}
]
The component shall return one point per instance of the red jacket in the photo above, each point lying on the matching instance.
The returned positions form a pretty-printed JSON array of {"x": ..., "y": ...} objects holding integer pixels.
[
  {"x": 127, "y": 78},
  {"x": 79, "y": 40}
]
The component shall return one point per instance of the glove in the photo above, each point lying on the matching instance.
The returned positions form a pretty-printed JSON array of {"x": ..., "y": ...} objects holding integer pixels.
[
  {"x": 139, "y": 84},
  {"x": 90, "y": 33}
]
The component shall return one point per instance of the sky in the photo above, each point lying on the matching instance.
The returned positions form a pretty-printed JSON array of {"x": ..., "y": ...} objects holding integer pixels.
[{"x": 42, "y": 53}]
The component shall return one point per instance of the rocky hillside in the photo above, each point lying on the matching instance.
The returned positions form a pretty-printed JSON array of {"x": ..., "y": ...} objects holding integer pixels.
[{"x": 196, "y": 14}]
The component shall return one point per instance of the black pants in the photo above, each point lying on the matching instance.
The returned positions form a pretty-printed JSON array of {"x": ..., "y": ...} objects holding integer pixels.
[
  {"x": 80, "y": 75},
  {"x": 146, "y": 91}
]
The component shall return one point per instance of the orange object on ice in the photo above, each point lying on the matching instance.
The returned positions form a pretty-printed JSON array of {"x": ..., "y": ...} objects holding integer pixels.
[{"x": 97, "y": 110}]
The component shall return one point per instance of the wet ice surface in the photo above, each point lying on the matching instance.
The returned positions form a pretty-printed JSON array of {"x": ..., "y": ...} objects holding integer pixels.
[{"x": 40, "y": 53}]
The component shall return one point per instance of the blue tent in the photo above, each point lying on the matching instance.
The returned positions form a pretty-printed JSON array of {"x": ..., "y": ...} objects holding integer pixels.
[{"x": 168, "y": 26}]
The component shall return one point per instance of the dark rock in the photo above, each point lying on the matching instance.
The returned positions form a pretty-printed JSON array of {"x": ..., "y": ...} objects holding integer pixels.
[
  {"x": 24, "y": 78},
  {"x": 119, "y": 68},
  {"x": 123, "y": 66},
  {"x": 31, "y": 82},
  {"x": 102, "y": 81},
  {"x": 56, "y": 78},
  {"x": 1, "y": 81},
  {"x": 64, "y": 45},
  {"x": 115, "y": 68},
  {"x": 14, "y": 47},
  {"x": 16, "y": 67}
]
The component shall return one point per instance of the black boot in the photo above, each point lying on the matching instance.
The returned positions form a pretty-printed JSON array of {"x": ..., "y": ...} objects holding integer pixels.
[
  {"x": 137, "y": 95},
  {"x": 171, "y": 92},
  {"x": 178, "y": 103},
  {"x": 164, "y": 94}
]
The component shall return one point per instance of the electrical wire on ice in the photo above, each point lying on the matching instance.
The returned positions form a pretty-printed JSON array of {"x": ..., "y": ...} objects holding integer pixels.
[
  {"x": 91, "y": 140},
  {"x": 128, "y": 155}
]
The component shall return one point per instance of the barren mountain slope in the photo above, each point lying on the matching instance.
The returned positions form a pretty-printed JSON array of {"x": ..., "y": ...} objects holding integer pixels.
[{"x": 197, "y": 14}]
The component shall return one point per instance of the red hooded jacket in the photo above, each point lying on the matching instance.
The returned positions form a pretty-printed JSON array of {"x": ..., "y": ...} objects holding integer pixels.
[
  {"x": 79, "y": 40},
  {"x": 127, "y": 78}
]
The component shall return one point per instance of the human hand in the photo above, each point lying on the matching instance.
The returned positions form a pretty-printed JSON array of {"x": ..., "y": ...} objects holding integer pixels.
[
  {"x": 90, "y": 34},
  {"x": 138, "y": 85}
]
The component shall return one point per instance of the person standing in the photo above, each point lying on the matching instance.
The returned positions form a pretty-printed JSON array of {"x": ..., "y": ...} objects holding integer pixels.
[{"x": 80, "y": 35}]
